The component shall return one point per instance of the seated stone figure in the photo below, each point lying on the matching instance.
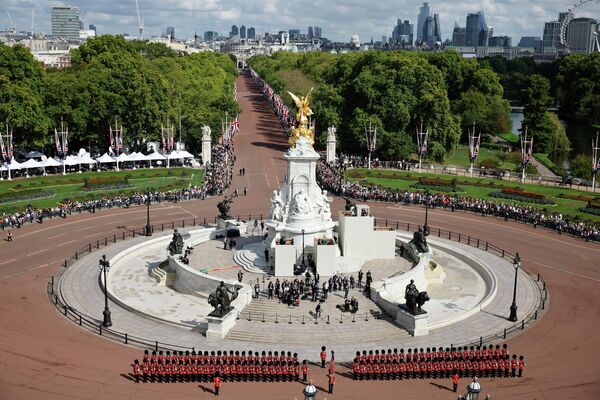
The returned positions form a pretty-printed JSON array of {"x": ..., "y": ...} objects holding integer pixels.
[{"x": 176, "y": 245}]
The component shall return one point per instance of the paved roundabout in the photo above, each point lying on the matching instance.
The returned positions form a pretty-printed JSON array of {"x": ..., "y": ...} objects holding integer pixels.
[{"x": 43, "y": 355}]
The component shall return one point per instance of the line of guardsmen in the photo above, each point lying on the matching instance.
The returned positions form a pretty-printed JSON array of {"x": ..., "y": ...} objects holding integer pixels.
[
  {"x": 486, "y": 362},
  {"x": 233, "y": 366}
]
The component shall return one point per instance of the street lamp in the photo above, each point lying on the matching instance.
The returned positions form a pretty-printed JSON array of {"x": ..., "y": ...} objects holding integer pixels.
[
  {"x": 148, "y": 226},
  {"x": 303, "y": 263},
  {"x": 104, "y": 266},
  {"x": 427, "y": 200},
  {"x": 310, "y": 391},
  {"x": 473, "y": 389},
  {"x": 513, "y": 307}
]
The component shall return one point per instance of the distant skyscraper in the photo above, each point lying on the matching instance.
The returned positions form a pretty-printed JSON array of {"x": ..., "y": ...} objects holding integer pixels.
[
  {"x": 528, "y": 41},
  {"x": 423, "y": 14},
  {"x": 458, "y": 35},
  {"x": 243, "y": 32},
  {"x": 501, "y": 41},
  {"x": 234, "y": 31},
  {"x": 65, "y": 21},
  {"x": 170, "y": 32},
  {"x": 251, "y": 33},
  {"x": 210, "y": 36},
  {"x": 580, "y": 35},
  {"x": 477, "y": 32},
  {"x": 311, "y": 33},
  {"x": 428, "y": 31},
  {"x": 92, "y": 27},
  {"x": 403, "y": 32},
  {"x": 551, "y": 39},
  {"x": 294, "y": 34},
  {"x": 317, "y": 32},
  {"x": 437, "y": 30},
  {"x": 384, "y": 39}
]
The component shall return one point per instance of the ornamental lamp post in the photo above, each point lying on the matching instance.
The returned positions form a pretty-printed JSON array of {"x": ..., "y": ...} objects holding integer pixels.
[
  {"x": 303, "y": 263},
  {"x": 371, "y": 135},
  {"x": 104, "y": 266},
  {"x": 310, "y": 391},
  {"x": 513, "y": 307},
  {"x": 148, "y": 226},
  {"x": 473, "y": 389},
  {"x": 427, "y": 200},
  {"x": 595, "y": 160}
]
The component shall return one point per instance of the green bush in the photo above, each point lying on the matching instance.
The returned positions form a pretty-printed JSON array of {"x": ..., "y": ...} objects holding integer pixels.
[{"x": 490, "y": 163}]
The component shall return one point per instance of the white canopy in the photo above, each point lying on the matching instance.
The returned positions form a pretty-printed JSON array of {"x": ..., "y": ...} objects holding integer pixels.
[
  {"x": 123, "y": 157},
  {"x": 31, "y": 163},
  {"x": 70, "y": 161},
  {"x": 3, "y": 168},
  {"x": 14, "y": 165},
  {"x": 155, "y": 156},
  {"x": 105, "y": 158},
  {"x": 50, "y": 162},
  {"x": 176, "y": 155},
  {"x": 186, "y": 154},
  {"x": 137, "y": 157},
  {"x": 86, "y": 159}
]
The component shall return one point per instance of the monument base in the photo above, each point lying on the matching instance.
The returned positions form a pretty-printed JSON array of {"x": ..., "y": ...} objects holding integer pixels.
[
  {"x": 416, "y": 325},
  {"x": 227, "y": 223},
  {"x": 218, "y": 327}
]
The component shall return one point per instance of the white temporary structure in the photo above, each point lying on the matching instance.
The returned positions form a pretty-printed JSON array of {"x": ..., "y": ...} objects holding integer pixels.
[
  {"x": 70, "y": 161},
  {"x": 105, "y": 159},
  {"x": 50, "y": 162},
  {"x": 31, "y": 163},
  {"x": 121, "y": 158},
  {"x": 186, "y": 154},
  {"x": 155, "y": 156},
  {"x": 175, "y": 155},
  {"x": 14, "y": 165}
]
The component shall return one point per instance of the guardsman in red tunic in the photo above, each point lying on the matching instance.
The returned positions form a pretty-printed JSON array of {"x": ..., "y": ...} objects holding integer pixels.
[
  {"x": 272, "y": 373},
  {"x": 160, "y": 371},
  {"x": 494, "y": 368},
  {"x": 490, "y": 352},
  {"x": 304, "y": 370},
  {"x": 408, "y": 369},
  {"x": 481, "y": 372},
  {"x": 283, "y": 373},
  {"x": 505, "y": 353},
  {"x": 436, "y": 369},
  {"x": 167, "y": 371},
  {"x": 297, "y": 371},
  {"x": 331, "y": 383},
  {"x": 217, "y": 382},
  {"x": 488, "y": 368},
  {"x": 429, "y": 368},
  {"x": 375, "y": 374},
  {"x": 146, "y": 371},
  {"x": 145, "y": 358},
  {"x": 448, "y": 367},
  {"x": 455, "y": 382},
  {"x": 354, "y": 370},
  {"x": 136, "y": 370},
  {"x": 461, "y": 368},
  {"x": 323, "y": 356},
  {"x": 521, "y": 365},
  {"x": 422, "y": 369}
]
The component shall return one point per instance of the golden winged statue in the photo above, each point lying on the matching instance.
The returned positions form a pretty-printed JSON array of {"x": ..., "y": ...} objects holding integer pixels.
[{"x": 304, "y": 111}]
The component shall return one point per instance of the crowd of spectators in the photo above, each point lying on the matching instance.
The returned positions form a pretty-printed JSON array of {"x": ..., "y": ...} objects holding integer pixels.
[
  {"x": 217, "y": 178},
  {"x": 330, "y": 178}
]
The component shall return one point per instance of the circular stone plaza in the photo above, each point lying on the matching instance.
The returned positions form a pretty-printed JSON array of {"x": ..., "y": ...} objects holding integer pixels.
[{"x": 53, "y": 344}]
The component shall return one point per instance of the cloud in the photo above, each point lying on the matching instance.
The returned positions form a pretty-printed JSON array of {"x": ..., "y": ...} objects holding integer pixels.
[{"x": 339, "y": 19}]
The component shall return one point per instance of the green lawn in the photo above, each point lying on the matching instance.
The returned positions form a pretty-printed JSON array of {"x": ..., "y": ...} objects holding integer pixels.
[
  {"x": 401, "y": 180},
  {"x": 460, "y": 158},
  {"x": 70, "y": 186},
  {"x": 509, "y": 137}
]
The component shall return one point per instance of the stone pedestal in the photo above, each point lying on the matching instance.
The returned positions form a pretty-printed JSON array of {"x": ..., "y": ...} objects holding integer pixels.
[
  {"x": 227, "y": 223},
  {"x": 331, "y": 142},
  {"x": 206, "y": 145},
  {"x": 218, "y": 327},
  {"x": 416, "y": 325}
]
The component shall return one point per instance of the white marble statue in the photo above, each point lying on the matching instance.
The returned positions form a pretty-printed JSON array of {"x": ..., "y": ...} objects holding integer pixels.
[
  {"x": 206, "y": 132},
  {"x": 331, "y": 132},
  {"x": 276, "y": 212},
  {"x": 323, "y": 206},
  {"x": 301, "y": 203}
]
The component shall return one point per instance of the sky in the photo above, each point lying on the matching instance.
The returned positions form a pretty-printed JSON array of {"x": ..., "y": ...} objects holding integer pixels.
[{"x": 339, "y": 19}]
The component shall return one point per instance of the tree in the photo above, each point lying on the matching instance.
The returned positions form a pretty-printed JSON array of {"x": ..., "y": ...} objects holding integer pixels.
[{"x": 581, "y": 166}]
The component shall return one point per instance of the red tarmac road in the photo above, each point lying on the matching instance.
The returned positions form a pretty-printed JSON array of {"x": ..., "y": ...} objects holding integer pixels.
[{"x": 44, "y": 356}]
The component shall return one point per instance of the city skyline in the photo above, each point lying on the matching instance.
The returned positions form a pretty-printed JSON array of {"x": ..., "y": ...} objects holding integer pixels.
[{"x": 338, "y": 21}]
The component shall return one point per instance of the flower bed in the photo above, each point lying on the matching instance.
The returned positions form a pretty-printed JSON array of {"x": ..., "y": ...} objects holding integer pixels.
[
  {"x": 440, "y": 185},
  {"x": 521, "y": 195},
  {"x": 27, "y": 194},
  {"x": 106, "y": 183}
]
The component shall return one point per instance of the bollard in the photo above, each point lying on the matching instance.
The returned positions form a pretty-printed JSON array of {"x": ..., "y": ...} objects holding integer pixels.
[
  {"x": 469, "y": 240},
  {"x": 408, "y": 226},
  {"x": 449, "y": 235},
  {"x": 386, "y": 222},
  {"x": 173, "y": 225},
  {"x": 354, "y": 317},
  {"x": 276, "y": 320},
  {"x": 183, "y": 223},
  {"x": 249, "y": 317},
  {"x": 126, "y": 338},
  {"x": 204, "y": 220},
  {"x": 477, "y": 243},
  {"x": 162, "y": 227},
  {"x": 502, "y": 253},
  {"x": 194, "y": 221},
  {"x": 65, "y": 307},
  {"x": 133, "y": 233},
  {"x": 302, "y": 319},
  {"x": 396, "y": 225},
  {"x": 522, "y": 324},
  {"x": 123, "y": 235},
  {"x": 366, "y": 316},
  {"x": 504, "y": 337},
  {"x": 89, "y": 247},
  {"x": 459, "y": 238},
  {"x": 65, "y": 263},
  {"x": 156, "y": 346},
  {"x": 79, "y": 320},
  {"x": 105, "y": 241},
  {"x": 341, "y": 318},
  {"x": 538, "y": 279},
  {"x": 439, "y": 232},
  {"x": 114, "y": 238},
  {"x": 316, "y": 322},
  {"x": 290, "y": 319},
  {"x": 97, "y": 244},
  {"x": 328, "y": 319},
  {"x": 535, "y": 315},
  {"x": 486, "y": 246},
  {"x": 76, "y": 255},
  {"x": 100, "y": 326},
  {"x": 263, "y": 319},
  {"x": 480, "y": 341}
]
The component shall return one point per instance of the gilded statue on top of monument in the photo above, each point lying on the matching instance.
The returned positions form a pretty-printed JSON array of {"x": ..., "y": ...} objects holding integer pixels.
[{"x": 304, "y": 112}]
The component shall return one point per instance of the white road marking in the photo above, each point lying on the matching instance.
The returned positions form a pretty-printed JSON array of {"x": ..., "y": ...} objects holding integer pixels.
[
  {"x": 37, "y": 252},
  {"x": 6, "y": 262},
  {"x": 84, "y": 229},
  {"x": 55, "y": 236},
  {"x": 65, "y": 243},
  {"x": 561, "y": 270}
]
